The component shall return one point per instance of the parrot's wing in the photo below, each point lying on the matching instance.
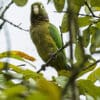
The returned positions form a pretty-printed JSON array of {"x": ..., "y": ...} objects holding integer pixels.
[{"x": 55, "y": 35}]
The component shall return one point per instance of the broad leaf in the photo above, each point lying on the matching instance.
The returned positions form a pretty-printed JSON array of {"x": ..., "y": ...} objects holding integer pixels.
[
  {"x": 2, "y": 79},
  {"x": 96, "y": 39},
  {"x": 49, "y": 88},
  {"x": 61, "y": 81},
  {"x": 92, "y": 48},
  {"x": 15, "y": 90},
  {"x": 98, "y": 24},
  {"x": 38, "y": 96},
  {"x": 59, "y": 4},
  {"x": 18, "y": 55},
  {"x": 26, "y": 73},
  {"x": 83, "y": 72},
  {"x": 64, "y": 25},
  {"x": 79, "y": 53},
  {"x": 86, "y": 9},
  {"x": 82, "y": 21},
  {"x": 20, "y": 2},
  {"x": 95, "y": 75},
  {"x": 86, "y": 37},
  {"x": 79, "y": 2},
  {"x": 88, "y": 87},
  {"x": 48, "y": 1},
  {"x": 96, "y": 8},
  {"x": 3, "y": 65},
  {"x": 95, "y": 3}
]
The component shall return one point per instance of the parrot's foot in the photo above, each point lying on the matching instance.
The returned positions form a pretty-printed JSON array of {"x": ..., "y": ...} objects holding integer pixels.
[
  {"x": 52, "y": 55},
  {"x": 42, "y": 68}
]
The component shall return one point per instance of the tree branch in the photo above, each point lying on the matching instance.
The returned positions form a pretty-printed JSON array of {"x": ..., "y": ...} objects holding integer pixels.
[
  {"x": 53, "y": 56},
  {"x": 17, "y": 26},
  {"x": 74, "y": 76},
  {"x": 84, "y": 68},
  {"x": 5, "y": 20},
  {"x": 71, "y": 80},
  {"x": 6, "y": 8},
  {"x": 79, "y": 14},
  {"x": 89, "y": 9},
  {"x": 2, "y": 14}
]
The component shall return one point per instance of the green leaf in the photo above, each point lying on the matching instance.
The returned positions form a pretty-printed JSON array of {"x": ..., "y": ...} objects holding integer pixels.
[
  {"x": 48, "y": 1},
  {"x": 37, "y": 96},
  {"x": 86, "y": 64},
  {"x": 86, "y": 37},
  {"x": 98, "y": 25},
  {"x": 61, "y": 81},
  {"x": 64, "y": 25},
  {"x": 49, "y": 88},
  {"x": 15, "y": 90},
  {"x": 79, "y": 53},
  {"x": 95, "y": 75},
  {"x": 20, "y": 2},
  {"x": 79, "y": 2},
  {"x": 95, "y": 8},
  {"x": 26, "y": 73},
  {"x": 96, "y": 39},
  {"x": 84, "y": 21},
  {"x": 17, "y": 55},
  {"x": 88, "y": 97},
  {"x": 64, "y": 73},
  {"x": 59, "y": 4},
  {"x": 2, "y": 79},
  {"x": 3, "y": 65},
  {"x": 87, "y": 11},
  {"x": 92, "y": 48},
  {"x": 88, "y": 87},
  {"x": 95, "y": 3}
]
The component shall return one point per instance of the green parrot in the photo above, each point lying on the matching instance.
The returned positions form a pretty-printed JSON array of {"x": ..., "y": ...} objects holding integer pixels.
[{"x": 46, "y": 37}]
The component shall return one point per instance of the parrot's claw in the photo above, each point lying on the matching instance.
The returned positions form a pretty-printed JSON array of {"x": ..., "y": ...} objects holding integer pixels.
[{"x": 42, "y": 68}]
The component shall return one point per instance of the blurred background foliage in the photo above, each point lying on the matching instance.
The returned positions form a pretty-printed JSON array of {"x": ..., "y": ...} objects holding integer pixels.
[{"x": 17, "y": 83}]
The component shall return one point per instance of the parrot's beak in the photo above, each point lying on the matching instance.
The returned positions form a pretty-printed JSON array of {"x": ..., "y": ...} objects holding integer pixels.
[{"x": 36, "y": 9}]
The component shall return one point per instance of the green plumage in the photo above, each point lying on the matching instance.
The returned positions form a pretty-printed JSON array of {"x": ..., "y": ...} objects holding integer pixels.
[{"x": 46, "y": 37}]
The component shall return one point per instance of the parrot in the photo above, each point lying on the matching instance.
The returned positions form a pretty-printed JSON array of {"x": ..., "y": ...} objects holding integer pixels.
[{"x": 46, "y": 37}]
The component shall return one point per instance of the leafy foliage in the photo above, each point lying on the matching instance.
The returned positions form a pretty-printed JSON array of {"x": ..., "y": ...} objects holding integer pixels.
[
  {"x": 17, "y": 83},
  {"x": 59, "y": 4},
  {"x": 20, "y": 2}
]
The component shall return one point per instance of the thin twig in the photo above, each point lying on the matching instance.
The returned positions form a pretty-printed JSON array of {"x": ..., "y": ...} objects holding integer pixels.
[
  {"x": 1, "y": 25},
  {"x": 17, "y": 26},
  {"x": 6, "y": 8},
  {"x": 2, "y": 14},
  {"x": 79, "y": 14},
  {"x": 1, "y": 8},
  {"x": 53, "y": 56},
  {"x": 91, "y": 65},
  {"x": 89, "y": 9},
  {"x": 5, "y": 20}
]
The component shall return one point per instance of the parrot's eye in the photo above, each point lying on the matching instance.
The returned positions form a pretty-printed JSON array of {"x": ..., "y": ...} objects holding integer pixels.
[{"x": 41, "y": 6}]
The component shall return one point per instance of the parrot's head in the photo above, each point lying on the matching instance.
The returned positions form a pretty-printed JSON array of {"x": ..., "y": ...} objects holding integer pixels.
[{"x": 38, "y": 13}]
